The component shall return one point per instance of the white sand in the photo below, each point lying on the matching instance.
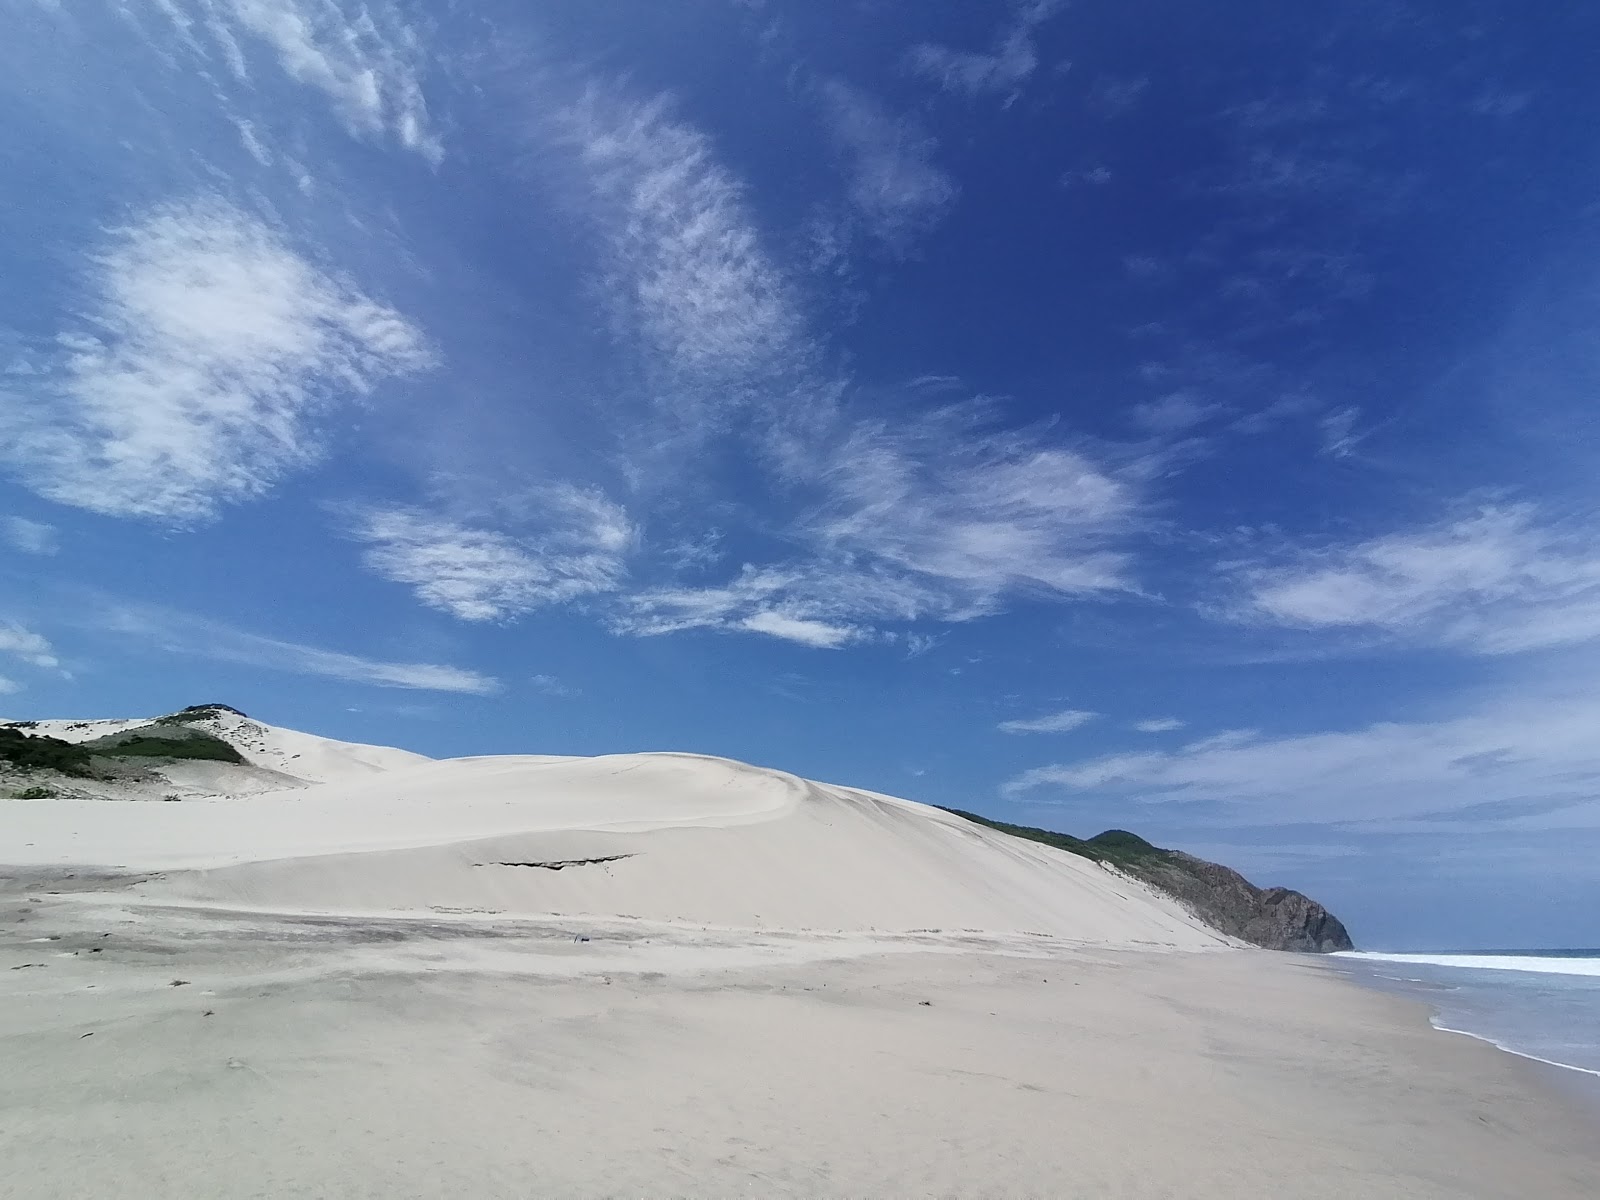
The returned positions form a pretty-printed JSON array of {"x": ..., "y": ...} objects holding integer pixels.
[
  {"x": 458, "y": 1057},
  {"x": 371, "y": 1005},
  {"x": 690, "y": 838}
]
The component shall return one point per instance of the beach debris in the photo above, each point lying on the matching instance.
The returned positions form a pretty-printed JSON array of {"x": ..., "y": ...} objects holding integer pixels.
[
  {"x": 81, "y": 1036},
  {"x": 924, "y": 1003},
  {"x": 210, "y": 1012},
  {"x": 179, "y": 983},
  {"x": 25, "y": 966}
]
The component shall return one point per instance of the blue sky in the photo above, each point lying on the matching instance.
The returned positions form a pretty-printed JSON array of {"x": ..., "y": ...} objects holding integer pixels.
[{"x": 1169, "y": 417}]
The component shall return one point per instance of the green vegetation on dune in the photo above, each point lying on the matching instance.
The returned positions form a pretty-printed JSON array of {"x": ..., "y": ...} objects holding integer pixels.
[
  {"x": 1115, "y": 846},
  {"x": 193, "y": 745},
  {"x": 38, "y": 752}
]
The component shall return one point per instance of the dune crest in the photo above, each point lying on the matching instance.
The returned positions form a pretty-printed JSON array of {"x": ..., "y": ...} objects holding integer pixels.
[{"x": 655, "y": 836}]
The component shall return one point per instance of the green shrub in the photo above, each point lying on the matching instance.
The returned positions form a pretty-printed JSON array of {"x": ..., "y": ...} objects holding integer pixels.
[
  {"x": 36, "y": 793},
  {"x": 36, "y": 752},
  {"x": 195, "y": 745}
]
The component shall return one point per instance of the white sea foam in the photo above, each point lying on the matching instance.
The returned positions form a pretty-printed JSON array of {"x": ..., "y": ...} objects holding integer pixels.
[
  {"x": 1500, "y": 1045},
  {"x": 1532, "y": 964}
]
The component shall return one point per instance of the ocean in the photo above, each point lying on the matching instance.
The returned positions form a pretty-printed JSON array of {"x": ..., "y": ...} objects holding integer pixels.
[{"x": 1540, "y": 1004}]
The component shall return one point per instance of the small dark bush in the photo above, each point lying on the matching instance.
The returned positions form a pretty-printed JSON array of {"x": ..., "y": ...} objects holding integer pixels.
[{"x": 36, "y": 793}]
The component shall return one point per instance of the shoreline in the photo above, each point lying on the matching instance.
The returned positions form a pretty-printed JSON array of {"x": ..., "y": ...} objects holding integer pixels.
[
  {"x": 1550, "y": 1072},
  {"x": 235, "y": 1054}
]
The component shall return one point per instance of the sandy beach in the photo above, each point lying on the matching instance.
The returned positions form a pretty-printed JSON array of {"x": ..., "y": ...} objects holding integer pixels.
[
  {"x": 665, "y": 975},
  {"x": 475, "y": 1056}
]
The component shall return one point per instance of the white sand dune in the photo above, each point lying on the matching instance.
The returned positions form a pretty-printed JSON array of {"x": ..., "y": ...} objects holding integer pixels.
[
  {"x": 296, "y": 992},
  {"x": 675, "y": 837}
]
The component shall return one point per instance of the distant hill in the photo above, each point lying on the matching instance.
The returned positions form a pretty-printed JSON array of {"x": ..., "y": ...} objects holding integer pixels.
[
  {"x": 1275, "y": 918},
  {"x": 202, "y": 750}
]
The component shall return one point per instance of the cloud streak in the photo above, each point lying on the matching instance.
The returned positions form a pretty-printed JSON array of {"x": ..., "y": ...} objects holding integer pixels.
[
  {"x": 195, "y": 378},
  {"x": 1517, "y": 763},
  {"x": 1496, "y": 581},
  {"x": 188, "y": 635},
  {"x": 695, "y": 291},
  {"x": 30, "y": 537},
  {"x": 1057, "y": 722},
  {"x": 26, "y": 646},
  {"x": 1002, "y": 70},
  {"x": 479, "y": 574},
  {"x": 893, "y": 182},
  {"x": 364, "y": 59}
]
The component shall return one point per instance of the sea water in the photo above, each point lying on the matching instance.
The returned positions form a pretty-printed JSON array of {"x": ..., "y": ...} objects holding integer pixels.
[{"x": 1541, "y": 1004}]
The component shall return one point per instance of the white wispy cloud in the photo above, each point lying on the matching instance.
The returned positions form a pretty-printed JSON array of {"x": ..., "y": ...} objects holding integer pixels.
[
  {"x": 788, "y": 603},
  {"x": 1003, "y": 69},
  {"x": 1174, "y": 413},
  {"x": 973, "y": 514},
  {"x": 940, "y": 515},
  {"x": 1341, "y": 432},
  {"x": 893, "y": 182},
  {"x": 1064, "y": 721},
  {"x": 24, "y": 645},
  {"x": 1493, "y": 582},
  {"x": 478, "y": 573},
  {"x": 1518, "y": 762},
  {"x": 189, "y": 635},
  {"x": 9, "y": 687},
  {"x": 195, "y": 378},
  {"x": 1111, "y": 96},
  {"x": 550, "y": 685},
  {"x": 799, "y": 629},
  {"x": 30, "y": 537},
  {"x": 1158, "y": 725},
  {"x": 710, "y": 311},
  {"x": 364, "y": 58},
  {"x": 919, "y": 522}
]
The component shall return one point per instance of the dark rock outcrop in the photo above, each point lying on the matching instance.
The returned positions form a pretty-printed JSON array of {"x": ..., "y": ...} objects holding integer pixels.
[{"x": 1274, "y": 918}]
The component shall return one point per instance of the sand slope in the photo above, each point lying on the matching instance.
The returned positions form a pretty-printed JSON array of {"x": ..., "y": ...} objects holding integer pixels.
[{"x": 679, "y": 837}]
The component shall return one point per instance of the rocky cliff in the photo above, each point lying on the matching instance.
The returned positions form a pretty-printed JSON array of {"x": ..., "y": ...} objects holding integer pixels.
[{"x": 1275, "y": 918}]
